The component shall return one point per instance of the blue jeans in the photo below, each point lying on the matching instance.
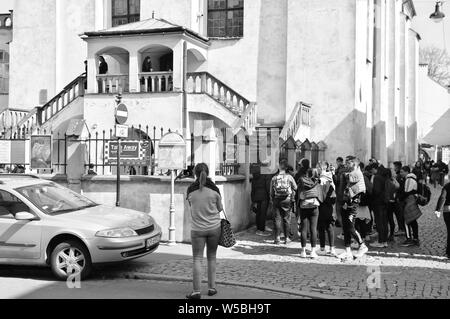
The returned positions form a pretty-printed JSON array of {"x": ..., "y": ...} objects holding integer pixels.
[{"x": 200, "y": 239}]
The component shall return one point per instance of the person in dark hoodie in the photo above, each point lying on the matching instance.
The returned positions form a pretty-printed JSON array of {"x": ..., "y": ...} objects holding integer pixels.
[
  {"x": 392, "y": 187},
  {"x": 309, "y": 193},
  {"x": 206, "y": 205},
  {"x": 260, "y": 200},
  {"x": 380, "y": 205},
  {"x": 443, "y": 206}
]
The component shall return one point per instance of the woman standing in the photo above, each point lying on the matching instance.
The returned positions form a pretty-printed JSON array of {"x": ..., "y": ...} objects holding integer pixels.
[
  {"x": 309, "y": 191},
  {"x": 443, "y": 206},
  {"x": 411, "y": 210},
  {"x": 327, "y": 218},
  {"x": 206, "y": 204}
]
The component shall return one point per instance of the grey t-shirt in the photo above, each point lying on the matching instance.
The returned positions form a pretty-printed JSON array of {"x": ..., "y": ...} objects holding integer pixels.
[{"x": 206, "y": 206}]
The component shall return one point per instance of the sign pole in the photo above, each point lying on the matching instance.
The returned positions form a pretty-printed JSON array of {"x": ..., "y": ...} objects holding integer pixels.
[
  {"x": 172, "y": 241},
  {"x": 118, "y": 173}
]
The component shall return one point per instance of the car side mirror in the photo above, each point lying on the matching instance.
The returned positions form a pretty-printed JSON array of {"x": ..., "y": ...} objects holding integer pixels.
[{"x": 25, "y": 216}]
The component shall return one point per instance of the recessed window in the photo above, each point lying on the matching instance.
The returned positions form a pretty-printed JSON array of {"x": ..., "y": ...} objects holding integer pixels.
[
  {"x": 125, "y": 11},
  {"x": 225, "y": 18},
  {"x": 8, "y": 22}
]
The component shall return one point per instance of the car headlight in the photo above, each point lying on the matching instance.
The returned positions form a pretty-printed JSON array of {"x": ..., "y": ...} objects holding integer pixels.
[{"x": 117, "y": 233}]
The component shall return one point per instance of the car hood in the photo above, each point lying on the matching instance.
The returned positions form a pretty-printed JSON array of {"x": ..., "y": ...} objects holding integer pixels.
[{"x": 107, "y": 217}]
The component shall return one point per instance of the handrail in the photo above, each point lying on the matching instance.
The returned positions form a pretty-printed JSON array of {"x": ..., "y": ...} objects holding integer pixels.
[
  {"x": 248, "y": 121},
  {"x": 300, "y": 117},
  {"x": 68, "y": 94},
  {"x": 218, "y": 90}
]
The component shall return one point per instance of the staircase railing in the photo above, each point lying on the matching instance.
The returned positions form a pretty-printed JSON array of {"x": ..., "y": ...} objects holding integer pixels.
[
  {"x": 300, "y": 117},
  {"x": 72, "y": 91},
  {"x": 205, "y": 83},
  {"x": 248, "y": 121}
]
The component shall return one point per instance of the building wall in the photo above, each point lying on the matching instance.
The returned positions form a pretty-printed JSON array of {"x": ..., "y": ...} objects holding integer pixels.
[
  {"x": 321, "y": 62},
  {"x": 5, "y": 37},
  {"x": 152, "y": 195},
  {"x": 434, "y": 102},
  {"x": 47, "y": 52}
]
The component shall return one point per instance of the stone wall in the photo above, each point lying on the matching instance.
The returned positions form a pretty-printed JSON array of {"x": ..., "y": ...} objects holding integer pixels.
[{"x": 152, "y": 195}]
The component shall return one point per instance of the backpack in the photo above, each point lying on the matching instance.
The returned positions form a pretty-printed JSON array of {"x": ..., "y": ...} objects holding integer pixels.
[
  {"x": 423, "y": 194},
  {"x": 282, "y": 186}
]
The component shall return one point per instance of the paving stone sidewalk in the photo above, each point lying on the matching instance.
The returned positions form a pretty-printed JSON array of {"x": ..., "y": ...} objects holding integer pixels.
[{"x": 397, "y": 272}]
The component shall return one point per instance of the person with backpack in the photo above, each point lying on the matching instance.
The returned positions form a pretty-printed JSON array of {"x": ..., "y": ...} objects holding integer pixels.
[
  {"x": 411, "y": 210},
  {"x": 309, "y": 193},
  {"x": 354, "y": 188},
  {"x": 327, "y": 216},
  {"x": 282, "y": 195},
  {"x": 443, "y": 207}
]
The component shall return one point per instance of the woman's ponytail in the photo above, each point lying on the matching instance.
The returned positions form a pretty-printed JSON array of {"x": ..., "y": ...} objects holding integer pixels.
[
  {"x": 202, "y": 179},
  {"x": 202, "y": 172}
]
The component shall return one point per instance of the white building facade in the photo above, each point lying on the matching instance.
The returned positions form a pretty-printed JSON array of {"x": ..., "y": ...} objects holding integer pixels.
[{"x": 340, "y": 74}]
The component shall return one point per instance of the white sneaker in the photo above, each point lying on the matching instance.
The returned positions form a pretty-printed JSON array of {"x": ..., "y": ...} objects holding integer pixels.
[
  {"x": 323, "y": 251},
  {"x": 313, "y": 254},
  {"x": 361, "y": 251},
  {"x": 346, "y": 256},
  {"x": 332, "y": 252},
  {"x": 303, "y": 253},
  {"x": 263, "y": 234}
]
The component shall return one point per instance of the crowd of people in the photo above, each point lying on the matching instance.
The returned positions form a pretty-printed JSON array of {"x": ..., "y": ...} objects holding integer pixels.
[{"x": 366, "y": 201}]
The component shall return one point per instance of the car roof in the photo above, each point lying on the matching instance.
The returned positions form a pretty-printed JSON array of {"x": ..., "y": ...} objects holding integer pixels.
[{"x": 19, "y": 180}]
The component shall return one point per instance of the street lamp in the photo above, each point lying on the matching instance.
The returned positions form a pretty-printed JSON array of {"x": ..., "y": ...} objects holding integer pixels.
[{"x": 438, "y": 15}]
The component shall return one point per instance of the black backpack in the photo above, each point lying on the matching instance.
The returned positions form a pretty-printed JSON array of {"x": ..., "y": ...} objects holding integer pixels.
[{"x": 423, "y": 194}]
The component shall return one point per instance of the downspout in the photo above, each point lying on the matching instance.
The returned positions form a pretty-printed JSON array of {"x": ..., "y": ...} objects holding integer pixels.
[{"x": 184, "y": 95}]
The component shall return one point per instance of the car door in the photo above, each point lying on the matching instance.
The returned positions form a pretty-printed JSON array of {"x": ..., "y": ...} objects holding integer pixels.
[{"x": 18, "y": 239}]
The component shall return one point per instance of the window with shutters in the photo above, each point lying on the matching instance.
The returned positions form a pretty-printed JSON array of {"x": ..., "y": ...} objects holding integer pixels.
[
  {"x": 125, "y": 11},
  {"x": 225, "y": 18}
]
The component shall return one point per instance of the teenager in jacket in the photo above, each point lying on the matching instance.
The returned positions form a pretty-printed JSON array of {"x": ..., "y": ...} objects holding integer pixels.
[
  {"x": 411, "y": 210},
  {"x": 380, "y": 205},
  {"x": 443, "y": 206},
  {"x": 309, "y": 193},
  {"x": 392, "y": 187},
  {"x": 327, "y": 216},
  {"x": 354, "y": 188},
  {"x": 260, "y": 200},
  {"x": 282, "y": 193}
]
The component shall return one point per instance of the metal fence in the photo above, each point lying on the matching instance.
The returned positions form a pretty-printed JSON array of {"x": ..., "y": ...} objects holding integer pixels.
[
  {"x": 99, "y": 145},
  {"x": 18, "y": 142}
]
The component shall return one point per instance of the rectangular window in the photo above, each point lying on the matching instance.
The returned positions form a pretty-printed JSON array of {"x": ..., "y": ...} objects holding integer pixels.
[
  {"x": 125, "y": 11},
  {"x": 225, "y": 18}
]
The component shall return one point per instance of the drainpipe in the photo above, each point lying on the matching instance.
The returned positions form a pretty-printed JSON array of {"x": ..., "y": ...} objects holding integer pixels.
[{"x": 184, "y": 95}]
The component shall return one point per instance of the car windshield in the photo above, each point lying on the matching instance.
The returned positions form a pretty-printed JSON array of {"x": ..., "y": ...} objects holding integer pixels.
[{"x": 53, "y": 199}]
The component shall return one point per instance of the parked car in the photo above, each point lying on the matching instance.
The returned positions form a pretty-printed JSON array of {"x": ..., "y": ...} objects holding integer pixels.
[{"x": 45, "y": 224}]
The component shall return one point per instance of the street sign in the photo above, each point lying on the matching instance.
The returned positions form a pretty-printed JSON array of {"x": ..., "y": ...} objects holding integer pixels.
[
  {"x": 172, "y": 152},
  {"x": 121, "y": 114},
  {"x": 121, "y": 131}
]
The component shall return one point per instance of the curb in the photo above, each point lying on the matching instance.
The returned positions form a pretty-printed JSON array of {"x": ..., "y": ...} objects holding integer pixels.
[{"x": 309, "y": 295}]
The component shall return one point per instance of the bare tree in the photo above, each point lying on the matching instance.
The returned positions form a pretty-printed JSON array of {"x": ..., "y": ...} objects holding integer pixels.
[{"x": 438, "y": 62}]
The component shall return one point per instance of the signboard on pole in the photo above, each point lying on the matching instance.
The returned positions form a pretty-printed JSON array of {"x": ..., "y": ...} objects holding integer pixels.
[
  {"x": 41, "y": 152},
  {"x": 121, "y": 131},
  {"x": 132, "y": 152},
  {"x": 172, "y": 152}
]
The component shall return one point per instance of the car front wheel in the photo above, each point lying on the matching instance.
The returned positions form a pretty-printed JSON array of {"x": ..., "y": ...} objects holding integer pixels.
[{"x": 69, "y": 260}]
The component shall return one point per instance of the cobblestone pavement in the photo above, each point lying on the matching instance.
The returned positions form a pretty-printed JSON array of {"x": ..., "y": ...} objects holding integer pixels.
[{"x": 396, "y": 272}]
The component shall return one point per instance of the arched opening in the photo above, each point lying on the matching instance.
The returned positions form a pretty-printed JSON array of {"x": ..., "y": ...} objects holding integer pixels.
[
  {"x": 195, "y": 60},
  {"x": 156, "y": 69},
  {"x": 113, "y": 65},
  {"x": 8, "y": 22},
  {"x": 4, "y": 72}
]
